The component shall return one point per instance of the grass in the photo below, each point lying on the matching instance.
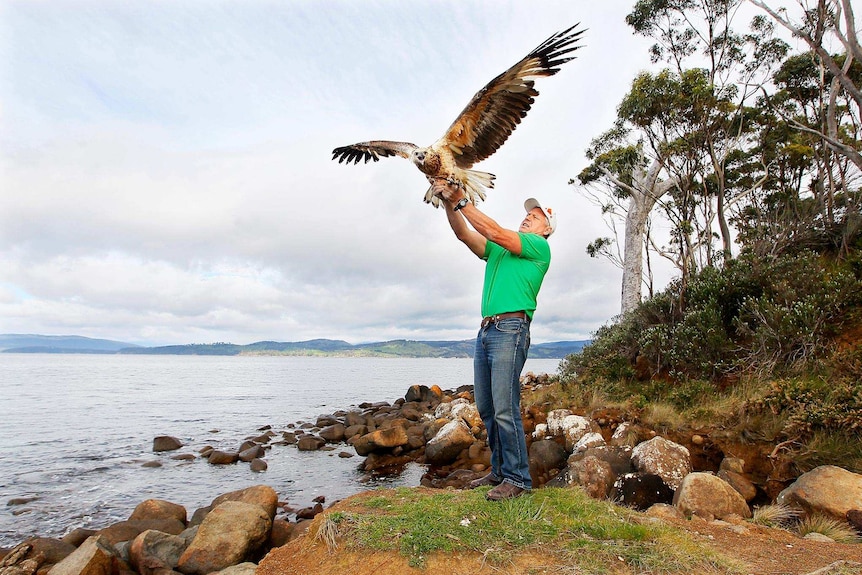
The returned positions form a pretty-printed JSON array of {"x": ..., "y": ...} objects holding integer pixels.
[
  {"x": 779, "y": 516},
  {"x": 566, "y": 523},
  {"x": 838, "y": 531}
]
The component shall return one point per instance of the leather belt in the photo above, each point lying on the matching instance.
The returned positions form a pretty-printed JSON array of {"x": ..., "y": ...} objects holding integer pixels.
[{"x": 495, "y": 318}]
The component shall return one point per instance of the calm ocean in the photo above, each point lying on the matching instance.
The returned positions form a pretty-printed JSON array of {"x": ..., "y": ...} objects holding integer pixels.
[{"x": 76, "y": 430}]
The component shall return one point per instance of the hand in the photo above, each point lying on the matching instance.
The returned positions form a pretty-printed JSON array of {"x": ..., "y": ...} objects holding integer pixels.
[{"x": 448, "y": 189}]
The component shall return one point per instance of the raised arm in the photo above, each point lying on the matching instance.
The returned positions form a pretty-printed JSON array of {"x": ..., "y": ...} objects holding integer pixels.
[{"x": 485, "y": 227}]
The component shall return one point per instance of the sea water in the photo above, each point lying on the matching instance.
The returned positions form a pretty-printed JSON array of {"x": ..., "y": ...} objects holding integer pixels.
[{"x": 77, "y": 430}]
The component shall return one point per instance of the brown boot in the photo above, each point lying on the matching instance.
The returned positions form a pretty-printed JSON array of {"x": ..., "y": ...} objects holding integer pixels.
[
  {"x": 483, "y": 481},
  {"x": 504, "y": 491}
]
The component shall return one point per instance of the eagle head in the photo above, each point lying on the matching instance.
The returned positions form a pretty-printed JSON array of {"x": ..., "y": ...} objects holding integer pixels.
[{"x": 417, "y": 156}]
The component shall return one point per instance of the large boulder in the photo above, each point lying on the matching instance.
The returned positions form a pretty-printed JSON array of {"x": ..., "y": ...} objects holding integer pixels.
[
  {"x": 128, "y": 530},
  {"x": 229, "y": 534},
  {"x": 546, "y": 455},
  {"x": 563, "y": 423},
  {"x": 588, "y": 440},
  {"x": 95, "y": 556},
  {"x": 333, "y": 433},
  {"x": 705, "y": 495},
  {"x": 826, "y": 489},
  {"x": 659, "y": 456},
  {"x": 452, "y": 438},
  {"x": 739, "y": 482},
  {"x": 52, "y": 550},
  {"x": 166, "y": 443},
  {"x": 381, "y": 439},
  {"x": 423, "y": 393},
  {"x": 218, "y": 457},
  {"x": 594, "y": 475},
  {"x": 263, "y": 496},
  {"x": 158, "y": 509},
  {"x": 154, "y": 550},
  {"x": 309, "y": 442}
]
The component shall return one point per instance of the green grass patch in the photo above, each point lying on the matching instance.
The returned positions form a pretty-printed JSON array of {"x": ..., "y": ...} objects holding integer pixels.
[{"x": 565, "y": 523}]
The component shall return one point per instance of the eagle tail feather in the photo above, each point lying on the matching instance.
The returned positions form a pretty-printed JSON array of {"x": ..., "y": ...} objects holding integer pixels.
[{"x": 475, "y": 184}]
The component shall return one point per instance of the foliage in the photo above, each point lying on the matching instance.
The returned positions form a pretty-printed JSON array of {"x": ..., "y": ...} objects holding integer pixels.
[
  {"x": 756, "y": 314},
  {"x": 584, "y": 531}
]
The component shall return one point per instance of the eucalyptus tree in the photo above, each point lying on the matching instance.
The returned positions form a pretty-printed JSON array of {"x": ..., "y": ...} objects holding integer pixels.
[
  {"x": 677, "y": 132},
  {"x": 821, "y": 97}
]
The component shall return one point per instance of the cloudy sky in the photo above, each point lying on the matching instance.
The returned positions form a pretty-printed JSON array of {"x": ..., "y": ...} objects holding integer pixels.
[{"x": 167, "y": 176}]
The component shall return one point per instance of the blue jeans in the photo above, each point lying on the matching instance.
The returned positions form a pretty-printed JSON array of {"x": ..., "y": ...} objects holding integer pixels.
[{"x": 501, "y": 351}]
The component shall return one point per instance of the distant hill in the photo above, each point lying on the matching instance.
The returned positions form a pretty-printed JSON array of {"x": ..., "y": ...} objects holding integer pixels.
[
  {"x": 30, "y": 343},
  {"x": 316, "y": 347}
]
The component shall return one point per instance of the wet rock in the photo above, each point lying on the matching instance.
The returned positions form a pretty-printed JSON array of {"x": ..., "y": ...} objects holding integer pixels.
[
  {"x": 258, "y": 465},
  {"x": 707, "y": 496},
  {"x": 333, "y": 433},
  {"x": 152, "y": 550},
  {"x": 158, "y": 509},
  {"x": 659, "y": 456},
  {"x": 263, "y": 496},
  {"x": 128, "y": 530},
  {"x": 310, "y": 512},
  {"x": 381, "y": 439},
  {"x": 166, "y": 443},
  {"x": 21, "y": 501},
  {"x": 309, "y": 442},
  {"x": 52, "y": 550},
  {"x": 254, "y": 452},
  {"x": 94, "y": 557},
  {"x": 326, "y": 421},
  {"x": 353, "y": 418},
  {"x": 229, "y": 534},
  {"x": 826, "y": 489},
  {"x": 78, "y": 536},
  {"x": 218, "y": 457}
]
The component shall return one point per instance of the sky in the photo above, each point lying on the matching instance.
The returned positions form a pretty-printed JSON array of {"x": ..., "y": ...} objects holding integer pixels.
[{"x": 166, "y": 172}]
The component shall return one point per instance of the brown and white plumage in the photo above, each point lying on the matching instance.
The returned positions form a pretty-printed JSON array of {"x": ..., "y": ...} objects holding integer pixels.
[{"x": 482, "y": 127}]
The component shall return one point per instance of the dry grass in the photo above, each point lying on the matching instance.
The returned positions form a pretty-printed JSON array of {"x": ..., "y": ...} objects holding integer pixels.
[{"x": 838, "y": 531}]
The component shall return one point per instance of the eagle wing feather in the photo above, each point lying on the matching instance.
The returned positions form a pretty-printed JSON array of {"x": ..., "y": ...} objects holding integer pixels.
[
  {"x": 373, "y": 150},
  {"x": 497, "y": 109}
]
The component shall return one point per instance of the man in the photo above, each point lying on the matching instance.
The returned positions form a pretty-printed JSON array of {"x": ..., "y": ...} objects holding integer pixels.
[{"x": 516, "y": 265}]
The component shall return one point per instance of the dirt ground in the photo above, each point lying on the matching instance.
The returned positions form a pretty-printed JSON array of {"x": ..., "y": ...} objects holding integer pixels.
[{"x": 758, "y": 550}]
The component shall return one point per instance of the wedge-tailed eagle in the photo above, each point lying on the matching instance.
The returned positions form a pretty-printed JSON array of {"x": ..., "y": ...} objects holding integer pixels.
[{"x": 481, "y": 128}]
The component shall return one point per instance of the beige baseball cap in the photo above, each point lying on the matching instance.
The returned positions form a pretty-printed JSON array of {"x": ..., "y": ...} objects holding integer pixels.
[{"x": 549, "y": 212}]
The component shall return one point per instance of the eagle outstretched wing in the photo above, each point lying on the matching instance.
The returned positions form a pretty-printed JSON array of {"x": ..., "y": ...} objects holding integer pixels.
[
  {"x": 372, "y": 151},
  {"x": 481, "y": 128},
  {"x": 497, "y": 109}
]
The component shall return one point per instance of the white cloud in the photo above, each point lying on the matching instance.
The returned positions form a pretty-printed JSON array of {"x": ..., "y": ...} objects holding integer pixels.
[{"x": 167, "y": 175}]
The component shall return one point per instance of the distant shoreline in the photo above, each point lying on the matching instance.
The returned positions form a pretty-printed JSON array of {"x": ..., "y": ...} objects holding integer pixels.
[{"x": 11, "y": 343}]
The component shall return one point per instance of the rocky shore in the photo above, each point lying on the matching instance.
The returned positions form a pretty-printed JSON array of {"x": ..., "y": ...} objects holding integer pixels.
[{"x": 688, "y": 475}]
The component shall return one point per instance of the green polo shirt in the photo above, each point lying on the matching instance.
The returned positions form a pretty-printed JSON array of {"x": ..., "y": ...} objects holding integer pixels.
[{"x": 512, "y": 282}]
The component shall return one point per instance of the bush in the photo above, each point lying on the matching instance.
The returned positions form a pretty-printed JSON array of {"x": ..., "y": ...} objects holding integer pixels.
[{"x": 768, "y": 315}]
